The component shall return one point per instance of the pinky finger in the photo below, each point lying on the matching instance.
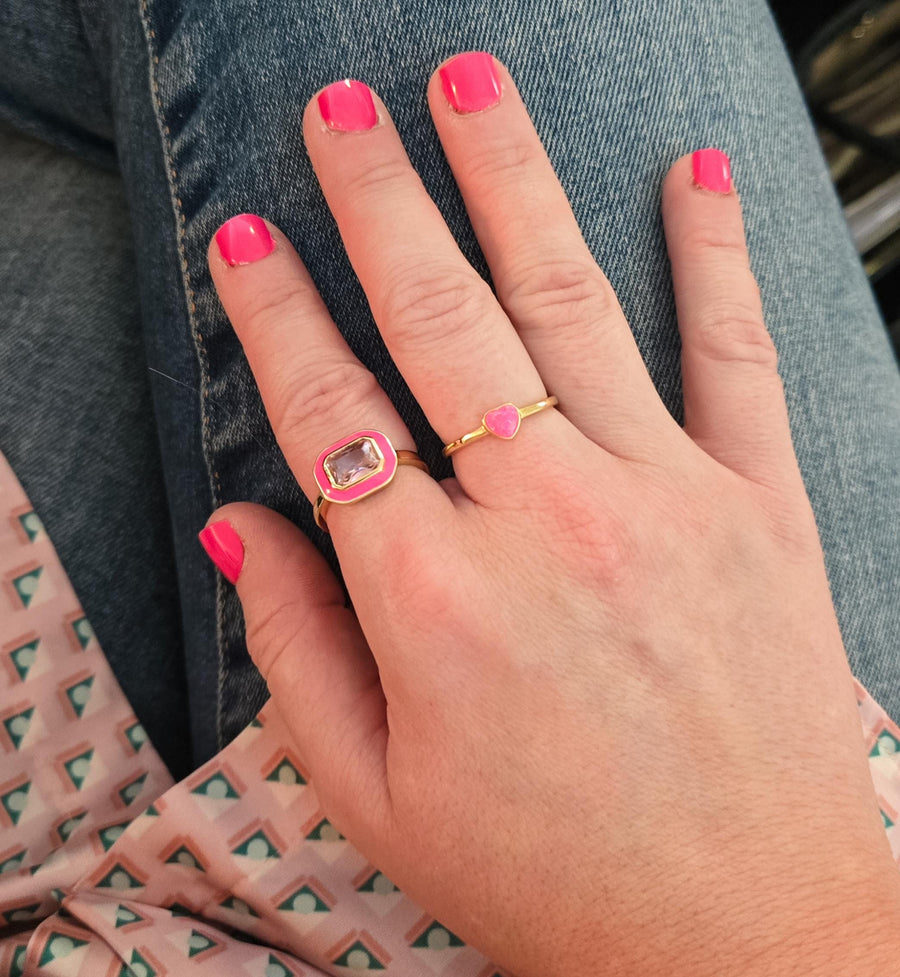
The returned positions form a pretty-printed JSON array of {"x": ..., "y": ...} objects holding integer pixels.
[{"x": 734, "y": 403}]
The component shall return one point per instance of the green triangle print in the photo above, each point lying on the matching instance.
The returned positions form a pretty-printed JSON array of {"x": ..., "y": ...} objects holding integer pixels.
[
  {"x": 69, "y": 825},
  {"x": 304, "y": 901},
  {"x": 17, "y": 726},
  {"x": 18, "y": 962},
  {"x": 886, "y": 745},
  {"x": 238, "y": 906},
  {"x": 176, "y": 909},
  {"x": 218, "y": 787},
  {"x": 21, "y": 913},
  {"x": 83, "y": 631},
  {"x": 58, "y": 946},
  {"x": 888, "y": 823},
  {"x": 184, "y": 856},
  {"x": 15, "y": 801},
  {"x": 26, "y": 586},
  {"x": 378, "y": 883},
  {"x": 255, "y": 723},
  {"x": 152, "y": 811},
  {"x": 286, "y": 773},
  {"x": 31, "y": 523},
  {"x": 126, "y": 916},
  {"x": 325, "y": 831},
  {"x": 79, "y": 767},
  {"x": 23, "y": 657},
  {"x": 138, "y": 966},
  {"x": 79, "y": 695},
  {"x": 257, "y": 847},
  {"x": 130, "y": 791},
  {"x": 198, "y": 943},
  {"x": 111, "y": 833},
  {"x": 119, "y": 878},
  {"x": 437, "y": 937},
  {"x": 137, "y": 736},
  {"x": 359, "y": 957},
  {"x": 275, "y": 968},
  {"x": 13, "y": 862}
]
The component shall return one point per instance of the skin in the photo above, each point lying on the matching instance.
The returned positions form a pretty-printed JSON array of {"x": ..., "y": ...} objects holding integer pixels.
[{"x": 560, "y": 714}]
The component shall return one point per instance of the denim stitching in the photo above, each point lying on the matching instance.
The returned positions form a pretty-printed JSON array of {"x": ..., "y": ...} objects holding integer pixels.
[{"x": 202, "y": 359}]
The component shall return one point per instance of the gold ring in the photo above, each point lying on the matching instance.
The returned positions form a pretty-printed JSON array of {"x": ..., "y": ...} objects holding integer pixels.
[
  {"x": 503, "y": 422},
  {"x": 402, "y": 458}
]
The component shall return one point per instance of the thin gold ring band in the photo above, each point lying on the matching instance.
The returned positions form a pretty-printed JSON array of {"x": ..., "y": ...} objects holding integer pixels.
[
  {"x": 501, "y": 423},
  {"x": 403, "y": 458}
]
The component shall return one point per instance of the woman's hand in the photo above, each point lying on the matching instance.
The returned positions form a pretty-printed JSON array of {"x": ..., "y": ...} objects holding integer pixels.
[{"x": 593, "y": 709}]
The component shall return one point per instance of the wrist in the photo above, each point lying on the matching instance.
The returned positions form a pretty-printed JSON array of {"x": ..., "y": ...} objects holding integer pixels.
[{"x": 848, "y": 931}]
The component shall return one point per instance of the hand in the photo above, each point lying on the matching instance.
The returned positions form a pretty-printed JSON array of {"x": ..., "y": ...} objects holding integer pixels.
[{"x": 593, "y": 709}]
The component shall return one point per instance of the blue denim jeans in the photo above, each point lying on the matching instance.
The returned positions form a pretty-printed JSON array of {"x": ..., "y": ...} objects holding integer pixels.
[{"x": 199, "y": 102}]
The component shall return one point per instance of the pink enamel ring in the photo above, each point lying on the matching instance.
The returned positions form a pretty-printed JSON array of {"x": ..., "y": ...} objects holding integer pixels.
[
  {"x": 357, "y": 466},
  {"x": 503, "y": 422}
]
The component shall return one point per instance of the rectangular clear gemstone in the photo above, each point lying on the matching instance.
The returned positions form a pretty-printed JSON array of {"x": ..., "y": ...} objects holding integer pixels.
[{"x": 353, "y": 463}]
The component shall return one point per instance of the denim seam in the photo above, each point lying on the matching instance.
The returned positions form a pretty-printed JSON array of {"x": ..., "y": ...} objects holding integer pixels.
[{"x": 199, "y": 348}]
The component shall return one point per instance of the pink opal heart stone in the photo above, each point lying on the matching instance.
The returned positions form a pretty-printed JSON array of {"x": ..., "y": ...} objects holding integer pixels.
[{"x": 503, "y": 421}]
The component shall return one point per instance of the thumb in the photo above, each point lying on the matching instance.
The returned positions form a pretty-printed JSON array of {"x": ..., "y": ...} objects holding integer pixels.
[{"x": 311, "y": 651}]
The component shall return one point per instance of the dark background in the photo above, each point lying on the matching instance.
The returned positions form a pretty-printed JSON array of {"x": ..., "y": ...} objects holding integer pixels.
[{"x": 799, "y": 21}]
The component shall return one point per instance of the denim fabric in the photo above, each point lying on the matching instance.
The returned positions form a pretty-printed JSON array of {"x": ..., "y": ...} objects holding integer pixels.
[
  {"x": 50, "y": 86},
  {"x": 207, "y": 98},
  {"x": 76, "y": 418}
]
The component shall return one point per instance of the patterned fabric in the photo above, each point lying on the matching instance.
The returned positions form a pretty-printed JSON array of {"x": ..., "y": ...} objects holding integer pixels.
[{"x": 107, "y": 869}]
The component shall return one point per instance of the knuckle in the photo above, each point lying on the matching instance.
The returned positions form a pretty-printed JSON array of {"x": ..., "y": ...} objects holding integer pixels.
[
  {"x": 707, "y": 241},
  {"x": 272, "y": 634},
  {"x": 501, "y": 164},
  {"x": 340, "y": 389},
  {"x": 558, "y": 291},
  {"x": 376, "y": 177},
  {"x": 273, "y": 303},
  {"x": 425, "y": 306},
  {"x": 734, "y": 333}
]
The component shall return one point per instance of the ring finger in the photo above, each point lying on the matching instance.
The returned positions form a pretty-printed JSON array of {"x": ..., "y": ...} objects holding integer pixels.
[{"x": 547, "y": 280}]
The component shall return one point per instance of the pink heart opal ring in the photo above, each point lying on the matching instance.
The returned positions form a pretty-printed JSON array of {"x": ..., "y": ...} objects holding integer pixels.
[
  {"x": 503, "y": 422},
  {"x": 356, "y": 466}
]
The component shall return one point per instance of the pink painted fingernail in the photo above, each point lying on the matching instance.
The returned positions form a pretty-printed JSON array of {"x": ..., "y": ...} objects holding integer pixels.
[
  {"x": 224, "y": 548},
  {"x": 347, "y": 106},
  {"x": 244, "y": 239},
  {"x": 712, "y": 170},
  {"x": 470, "y": 81}
]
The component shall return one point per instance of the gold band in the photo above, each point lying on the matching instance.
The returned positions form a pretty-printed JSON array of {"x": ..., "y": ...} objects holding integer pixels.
[
  {"x": 403, "y": 458},
  {"x": 490, "y": 427}
]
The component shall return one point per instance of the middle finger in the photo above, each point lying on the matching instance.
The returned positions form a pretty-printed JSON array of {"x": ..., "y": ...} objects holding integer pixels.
[{"x": 457, "y": 350}]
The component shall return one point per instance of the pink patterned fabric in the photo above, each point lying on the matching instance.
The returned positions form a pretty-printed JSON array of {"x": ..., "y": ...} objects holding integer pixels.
[{"x": 108, "y": 869}]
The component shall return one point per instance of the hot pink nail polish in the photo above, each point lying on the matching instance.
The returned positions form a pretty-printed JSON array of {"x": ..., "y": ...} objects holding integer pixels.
[
  {"x": 470, "y": 81},
  {"x": 244, "y": 239},
  {"x": 224, "y": 548},
  {"x": 347, "y": 106},
  {"x": 712, "y": 170}
]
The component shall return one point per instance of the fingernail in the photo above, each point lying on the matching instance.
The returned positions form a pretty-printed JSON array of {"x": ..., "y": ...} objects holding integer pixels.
[
  {"x": 224, "y": 548},
  {"x": 712, "y": 170},
  {"x": 347, "y": 106},
  {"x": 470, "y": 82},
  {"x": 244, "y": 239}
]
